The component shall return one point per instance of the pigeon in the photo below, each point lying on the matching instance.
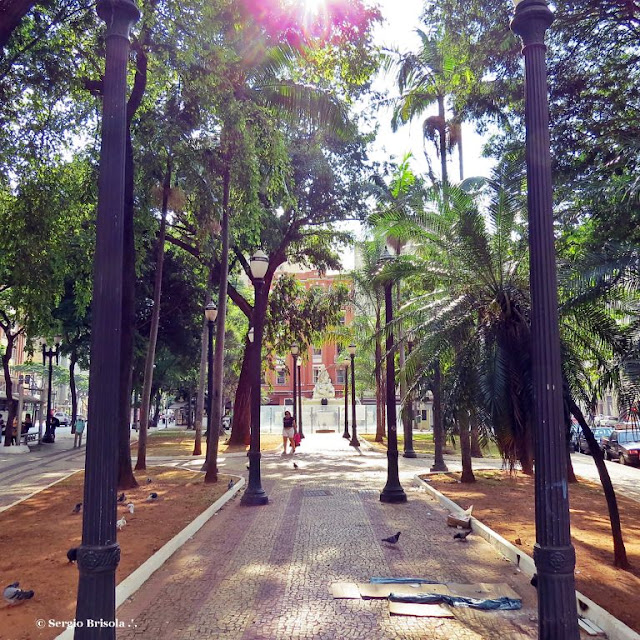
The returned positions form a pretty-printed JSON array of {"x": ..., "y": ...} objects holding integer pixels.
[
  {"x": 77, "y": 508},
  {"x": 14, "y": 595},
  {"x": 392, "y": 539},
  {"x": 462, "y": 535},
  {"x": 149, "y": 480},
  {"x": 121, "y": 497},
  {"x": 72, "y": 555},
  {"x": 131, "y": 507},
  {"x": 121, "y": 523},
  {"x": 248, "y": 467},
  {"x": 152, "y": 496},
  {"x": 534, "y": 580},
  {"x": 230, "y": 484},
  {"x": 295, "y": 466}
]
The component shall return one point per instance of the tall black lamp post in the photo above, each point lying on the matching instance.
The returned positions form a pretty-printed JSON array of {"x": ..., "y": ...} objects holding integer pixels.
[
  {"x": 51, "y": 354},
  {"x": 354, "y": 431},
  {"x": 346, "y": 435},
  {"x": 393, "y": 491},
  {"x": 300, "y": 399},
  {"x": 99, "y": 553},
  {"x": 254, "y": 493},
  {"x": 553, "y": 553},
  {"x": 295, "y": 350},
  {"x": 210, "y": 313}
]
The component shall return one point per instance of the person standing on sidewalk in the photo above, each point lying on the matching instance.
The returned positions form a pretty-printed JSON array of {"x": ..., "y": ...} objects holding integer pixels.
[
  {"x": 289, "y": 429},
  {"x": 80, "y": 424}
]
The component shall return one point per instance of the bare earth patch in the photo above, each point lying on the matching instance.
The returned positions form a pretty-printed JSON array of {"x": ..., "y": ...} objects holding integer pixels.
[
  {"x": 180, "y": 443},
  {"x": 506, "y": 504},
  {"x": 36, "y": 534}
]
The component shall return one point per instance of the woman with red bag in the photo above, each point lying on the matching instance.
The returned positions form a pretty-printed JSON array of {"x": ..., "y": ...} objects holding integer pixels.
[{"x": 289, "y": 432}]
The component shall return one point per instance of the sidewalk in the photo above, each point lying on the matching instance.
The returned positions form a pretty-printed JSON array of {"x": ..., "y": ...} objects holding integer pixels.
[{"x": 264, "y": 572}]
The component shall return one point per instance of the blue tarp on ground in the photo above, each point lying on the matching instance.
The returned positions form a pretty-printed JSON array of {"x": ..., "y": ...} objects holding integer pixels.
[
  {"x": 491, "y": 604},
  {"x": 402, "y": 581}
]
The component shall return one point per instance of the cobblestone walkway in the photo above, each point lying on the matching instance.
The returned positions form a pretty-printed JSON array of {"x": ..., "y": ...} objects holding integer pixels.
[{"x": 263, "y": 573}]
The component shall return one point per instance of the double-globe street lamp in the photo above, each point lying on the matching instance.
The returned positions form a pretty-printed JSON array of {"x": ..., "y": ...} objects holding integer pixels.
[
  {"x": 99, "y": 554},
  {"x": 210, "y": 314},
  {"x": 300, "y": 399},
  {"x": 354, "y": 434},
  {"x": 49, "y": 435},
  {"x": 345, "y": 363},
  {"x": 393, "y": 491},
  {"x": 553, "y": 553},
  {"x": 254, "y": 493}
]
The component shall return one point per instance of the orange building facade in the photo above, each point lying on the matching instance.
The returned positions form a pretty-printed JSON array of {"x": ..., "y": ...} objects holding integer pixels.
[{"x": 278, "y": 386}]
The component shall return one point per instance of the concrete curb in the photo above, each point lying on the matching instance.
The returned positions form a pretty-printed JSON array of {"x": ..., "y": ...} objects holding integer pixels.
[
  {"x": 135, "y": 580},
  {"x": 614, "y": 628}
]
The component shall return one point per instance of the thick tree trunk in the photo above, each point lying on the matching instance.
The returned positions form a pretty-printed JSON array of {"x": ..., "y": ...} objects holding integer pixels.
[
  {"x": 73, "y": 358},
  {"x": 240, "y": 430},
  {"x": 476, "y": 449},
  {"x": 619, "y": 552},
  {"x": 465, "y": 448},
  {"x": 213, "y": 433},
  {"x": 571, "y": 475},
  {"x": 12, "y": 405},
  {"x": 442, "y": 115},
  {"x": 380, "y": 385},
  {"x": 141, "y": 462},
  {"x": 11, "y": 13},
  {"x": 438, "y": 427}
]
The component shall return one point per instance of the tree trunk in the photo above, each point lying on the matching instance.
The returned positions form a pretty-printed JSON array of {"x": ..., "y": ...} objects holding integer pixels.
[
  {"x": 11, "y": 403},
  {"x": 126, "y": 479},
  {"x": 460, "y": 157},
  {"x": 240, "y": 430},
  {"x": 189, "y": 416},
  {"x": 213, "y": 433},
  {"x": 11, "y": 14},
  {"x": 442, "y": 115},
  {"x": 380, "y": 385},
  {"x": 571, "y": 475},
  {"x": 202, "y": 380},
  {"x": 465, "y": 448},
  {"x": 73, "y": 358},
  {"x": 438, "y": 427},
  {"x": 141, "y": 462},
  {"x": 157, "y": 399},
  {"x": 619, "y": 552},
  {"x": 476, "y": 449}
]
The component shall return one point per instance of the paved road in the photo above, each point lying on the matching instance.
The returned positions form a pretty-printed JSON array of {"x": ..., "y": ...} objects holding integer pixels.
[
  {"x": 625, "y": 479},
  {"x": 263, "y": 573}
]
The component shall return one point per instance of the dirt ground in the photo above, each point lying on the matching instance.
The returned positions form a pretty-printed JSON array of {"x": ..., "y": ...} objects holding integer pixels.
[
  {"x": 506, "y": 504},
  {"x": 172, "y": 442},
  {"x": 36, "y": 534}
]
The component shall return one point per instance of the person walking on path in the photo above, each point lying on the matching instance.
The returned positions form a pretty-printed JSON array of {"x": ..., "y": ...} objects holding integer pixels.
[{"x": 289, "y": 430}]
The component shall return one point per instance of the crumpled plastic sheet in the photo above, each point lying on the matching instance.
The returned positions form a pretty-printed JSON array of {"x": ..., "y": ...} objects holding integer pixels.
[
  {"x": 402, "y": 581},
  {"x": 491, "y": 604}
]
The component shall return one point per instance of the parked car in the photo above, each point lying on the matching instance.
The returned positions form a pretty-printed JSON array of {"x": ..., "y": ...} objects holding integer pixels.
[
  {"x": 63, "y": 418},
  {"x": 623, "y": 446},
  {"x": 600, "y": 433}
]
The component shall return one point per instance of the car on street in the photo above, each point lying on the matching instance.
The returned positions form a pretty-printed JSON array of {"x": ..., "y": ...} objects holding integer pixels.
[
  {"x": 63, "y": 418},
  {"x": 600, "y": 433},
  {"x": 624, "y": 446}
]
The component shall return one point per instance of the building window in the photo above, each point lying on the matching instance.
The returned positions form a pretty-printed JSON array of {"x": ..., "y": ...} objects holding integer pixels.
[
  {"x": 316, "y": 374},
  {"x": 317, "y": 354},
  {"x": 281, "y": 376},
  {"x": 340, "y": 375}
]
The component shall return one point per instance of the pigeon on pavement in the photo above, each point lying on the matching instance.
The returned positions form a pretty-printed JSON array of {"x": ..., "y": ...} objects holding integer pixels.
[
  {"x": 230, "y": 484},
  {"x": 14, "y": 595},
  {"x": 534, "y": 580},
  {"x": 392, "y": 539},
  {"x": 462, "y": 535},
  {"x": 77, "y": 508},
  {"x": 131, "y": 507},
  {"x": 152, "y": 496},
  {"x": 295, "y": 466},
  {"x": 121, "y": 497},
  {"x": 121, "y": 523},
  {"x": 149, "y": 480},
  {"x": 72, "y": 554}
]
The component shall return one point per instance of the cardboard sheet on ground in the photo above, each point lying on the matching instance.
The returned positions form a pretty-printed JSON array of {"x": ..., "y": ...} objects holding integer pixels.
[
  {"x": 345, "y": 590},
  {"x": 485, "y": 590},
  {"x": 419, "y": 610},
  {"x": 376, "y": 590}
]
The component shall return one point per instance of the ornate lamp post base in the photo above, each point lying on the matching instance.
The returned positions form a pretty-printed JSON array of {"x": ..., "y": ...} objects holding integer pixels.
[
  {"x": 393, "y": 491},
  {"x": 254, "y": 495}
]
